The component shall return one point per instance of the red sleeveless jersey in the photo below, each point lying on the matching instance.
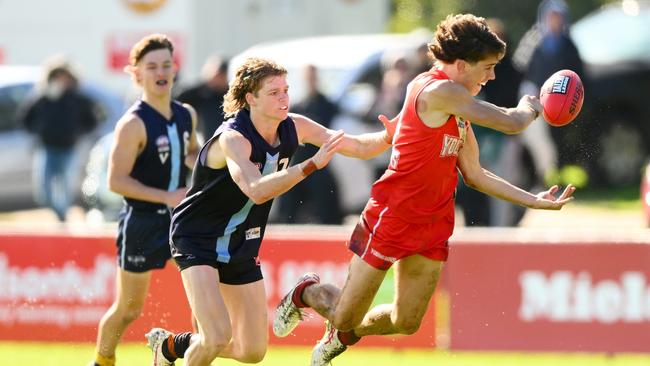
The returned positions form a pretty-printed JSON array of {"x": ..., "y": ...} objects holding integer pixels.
[{"x": 420, "y": 182}]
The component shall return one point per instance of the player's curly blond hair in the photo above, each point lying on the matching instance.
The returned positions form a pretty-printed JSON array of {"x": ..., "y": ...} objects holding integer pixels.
[{"x": 248, "y": 79}]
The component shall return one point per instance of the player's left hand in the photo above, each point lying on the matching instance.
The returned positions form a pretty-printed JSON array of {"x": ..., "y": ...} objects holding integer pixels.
[
  {"x": 547, "y": 201},
  {"x": 328, "y": 149},
  {"x": 390, "y": 125}
]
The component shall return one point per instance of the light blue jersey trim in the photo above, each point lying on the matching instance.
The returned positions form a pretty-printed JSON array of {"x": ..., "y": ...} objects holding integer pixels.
[
  {"x": 175, "y": 142},
  {"x": 223, "y": 255}
]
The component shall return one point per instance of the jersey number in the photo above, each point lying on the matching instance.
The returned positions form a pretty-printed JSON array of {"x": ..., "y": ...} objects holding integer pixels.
[{"x": 283, "y": 164}]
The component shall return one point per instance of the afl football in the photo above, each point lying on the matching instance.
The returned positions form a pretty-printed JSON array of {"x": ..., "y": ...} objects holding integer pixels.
[{"x": 561, "y": 96}]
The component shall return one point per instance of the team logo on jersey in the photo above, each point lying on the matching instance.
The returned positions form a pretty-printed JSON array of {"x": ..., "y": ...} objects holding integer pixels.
[
  {"x": 162, "y": 142},
  {"x": 394, "y": 158},
  {"x": 462, "y": 128},
  {"x": 450, "y": 146}
]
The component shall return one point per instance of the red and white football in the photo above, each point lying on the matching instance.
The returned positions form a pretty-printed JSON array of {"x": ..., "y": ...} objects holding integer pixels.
[{"x": 561, "y": 96}]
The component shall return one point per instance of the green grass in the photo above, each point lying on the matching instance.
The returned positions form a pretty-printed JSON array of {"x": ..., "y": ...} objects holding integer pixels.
[{"x": 59, "y": 354}]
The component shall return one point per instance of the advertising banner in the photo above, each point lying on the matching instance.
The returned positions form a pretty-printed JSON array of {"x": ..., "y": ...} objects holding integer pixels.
[
  {"x": 57, "y": 287},
  {"x": 550, "y": 296}
]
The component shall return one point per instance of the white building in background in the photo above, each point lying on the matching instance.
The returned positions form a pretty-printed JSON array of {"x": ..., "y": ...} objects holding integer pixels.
[{"x": 98, "y": 34}]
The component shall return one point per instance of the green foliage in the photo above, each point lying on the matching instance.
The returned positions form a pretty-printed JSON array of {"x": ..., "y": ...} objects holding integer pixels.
[
  {"x": 569, "y": 174},
  {"x": 517, "y": 15}
]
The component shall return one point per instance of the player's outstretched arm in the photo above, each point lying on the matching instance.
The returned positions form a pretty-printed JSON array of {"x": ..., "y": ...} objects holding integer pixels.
[
  {"x": 234, "y": 151},
  {"x": 489, "y": 183},
  {"x": 453, "y": 98},
  {"x": 364, "y": 146}
]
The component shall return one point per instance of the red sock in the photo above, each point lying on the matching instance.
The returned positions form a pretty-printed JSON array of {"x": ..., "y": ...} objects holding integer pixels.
[
  {"x": 297, "y": 294},
  {"x": 348, "y": 338}
]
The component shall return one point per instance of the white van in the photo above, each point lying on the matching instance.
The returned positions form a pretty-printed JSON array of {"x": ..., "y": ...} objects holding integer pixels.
[{"x": 350, "y": 71}]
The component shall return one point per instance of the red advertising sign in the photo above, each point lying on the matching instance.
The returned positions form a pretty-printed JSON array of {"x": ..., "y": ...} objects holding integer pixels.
[
  {"x": 57, "y": 287},
  {"x": 543, "y": 296}
]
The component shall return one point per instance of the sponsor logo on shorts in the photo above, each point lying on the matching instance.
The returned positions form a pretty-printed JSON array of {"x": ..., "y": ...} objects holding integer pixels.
[
  {"x": 136, "y": 259},
  {"x": 560, "y": 85},
  {"x": 253, "y": 233},
  {"x": 381, "y": 256}
]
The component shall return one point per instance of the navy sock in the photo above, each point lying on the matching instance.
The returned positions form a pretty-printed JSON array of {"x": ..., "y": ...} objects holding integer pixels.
[{"x": 175, "y": 347}]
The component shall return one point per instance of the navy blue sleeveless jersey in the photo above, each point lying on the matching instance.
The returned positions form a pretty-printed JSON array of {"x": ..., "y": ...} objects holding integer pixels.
[
  {"x": 216, "y": 220},
  {"x": 161, "y": 164}
]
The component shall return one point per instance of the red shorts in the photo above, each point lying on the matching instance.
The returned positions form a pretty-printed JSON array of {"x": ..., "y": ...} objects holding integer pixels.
[{"x": 380, "y": 239}]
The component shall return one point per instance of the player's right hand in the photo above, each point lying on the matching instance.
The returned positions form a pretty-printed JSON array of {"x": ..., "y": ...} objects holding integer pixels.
[
  {"x": 328, "y": 149},
  {"x": 528, "y": 101},
  {"x": 173, "y": 198}
]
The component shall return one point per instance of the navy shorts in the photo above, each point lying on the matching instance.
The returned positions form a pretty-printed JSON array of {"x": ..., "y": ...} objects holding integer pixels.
[
  {"x": 143, "y": 240},
  {"x": 240, "y": 272}
]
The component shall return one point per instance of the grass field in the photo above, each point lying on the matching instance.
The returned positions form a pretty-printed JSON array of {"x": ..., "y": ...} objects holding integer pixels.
[{"x": 59, "y": 354}]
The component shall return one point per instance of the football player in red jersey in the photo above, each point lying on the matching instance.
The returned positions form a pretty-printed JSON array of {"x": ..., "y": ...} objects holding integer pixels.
[{"x": 410, "y": 215}]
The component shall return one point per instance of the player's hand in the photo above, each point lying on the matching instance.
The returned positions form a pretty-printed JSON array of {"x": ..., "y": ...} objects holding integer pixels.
[
  {"x": 547, "y": 201},
  {"x": 328, "y": 149},
  {"x": 528, "y": 103},
  {"x": 390, "y": 125},
  {"x": 173, "y": 198}
]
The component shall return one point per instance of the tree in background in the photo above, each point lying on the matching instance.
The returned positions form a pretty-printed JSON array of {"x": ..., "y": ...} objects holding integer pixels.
[{"x": 517, "y": 15}]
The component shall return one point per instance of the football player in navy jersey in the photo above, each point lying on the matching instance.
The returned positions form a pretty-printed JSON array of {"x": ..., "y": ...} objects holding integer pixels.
[
  {"x": 217, "y": 230},
  {"x": 154, "y": 147}
]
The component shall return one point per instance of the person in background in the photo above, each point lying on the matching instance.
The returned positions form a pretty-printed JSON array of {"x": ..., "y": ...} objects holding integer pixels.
[
  {"x": 207, "y": 96},
  {"x": 392, "y": 91},
  {"x": 59, "y": 116},
  {"x": 154, "y": 146},
  {"x": 316, "y": 199},
  {"x": 543, "y": 50},
  {"x": 422, "y": 60}
]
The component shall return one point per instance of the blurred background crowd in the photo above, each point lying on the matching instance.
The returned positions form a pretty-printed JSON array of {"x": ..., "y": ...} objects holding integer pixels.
[{"x": 62, "y": 89}]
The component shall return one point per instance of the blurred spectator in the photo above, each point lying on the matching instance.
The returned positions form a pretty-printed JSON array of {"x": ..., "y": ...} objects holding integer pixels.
[
  {"x": 543, "y": 50},
  {"x": 59, "y": 116},
  {"x": 392, "y": 91},
  {"x": 353, "y": 176},
  {"x": 422, "y": 60},
  {"x": 499, "y": 152},
  {"x": 207, "y": 96},
  {"x": 316, "y": 199}
]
